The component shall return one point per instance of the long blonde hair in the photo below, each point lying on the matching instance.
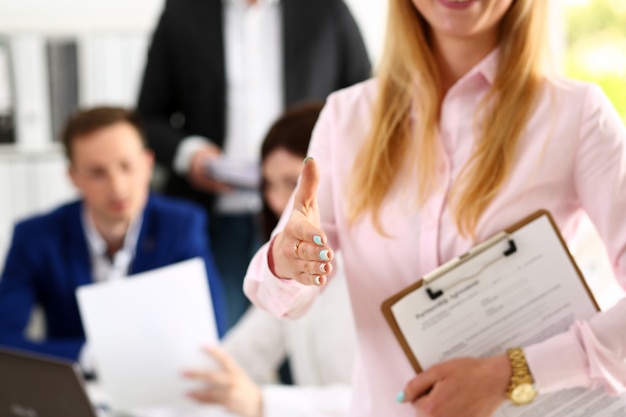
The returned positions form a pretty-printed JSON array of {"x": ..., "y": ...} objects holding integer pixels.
[{"x": 409, "y": 84}]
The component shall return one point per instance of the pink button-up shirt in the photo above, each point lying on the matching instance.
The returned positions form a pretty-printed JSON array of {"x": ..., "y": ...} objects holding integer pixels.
[{"x": 571, "y": 158}]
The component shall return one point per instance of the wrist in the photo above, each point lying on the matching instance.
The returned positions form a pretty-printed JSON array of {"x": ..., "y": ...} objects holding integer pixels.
[
  {"x": 255, "y": 402},
  {"x": 521, "y": 388},
  {"x": 271, "y": 257},
  {"x": 185, "y": 152}
]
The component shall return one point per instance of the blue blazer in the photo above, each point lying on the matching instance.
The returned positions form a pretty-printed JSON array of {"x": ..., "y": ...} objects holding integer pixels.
[{"x": 49, "y": 258}]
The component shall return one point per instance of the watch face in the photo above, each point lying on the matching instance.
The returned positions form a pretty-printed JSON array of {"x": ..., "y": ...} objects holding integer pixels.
[{"x": 523, "y": 393}]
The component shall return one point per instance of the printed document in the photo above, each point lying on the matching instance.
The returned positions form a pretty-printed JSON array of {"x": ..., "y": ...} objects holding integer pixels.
[{"x": 492, "y": 302}]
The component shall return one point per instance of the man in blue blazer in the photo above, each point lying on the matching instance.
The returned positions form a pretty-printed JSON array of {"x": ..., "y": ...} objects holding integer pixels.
[{"x": 117, "y": 228}]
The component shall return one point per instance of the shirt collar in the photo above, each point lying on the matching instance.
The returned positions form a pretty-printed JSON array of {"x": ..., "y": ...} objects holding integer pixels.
[
  {"x": 488, "y": 67},
  {"x": 96, "y": 242}
]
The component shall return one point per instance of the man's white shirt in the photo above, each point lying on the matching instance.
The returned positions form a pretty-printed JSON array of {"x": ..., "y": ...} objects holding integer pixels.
[{"x": 253, "y": 54}]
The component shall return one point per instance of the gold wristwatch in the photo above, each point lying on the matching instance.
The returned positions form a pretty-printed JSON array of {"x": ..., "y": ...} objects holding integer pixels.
[{"x": 521, "y": 389}]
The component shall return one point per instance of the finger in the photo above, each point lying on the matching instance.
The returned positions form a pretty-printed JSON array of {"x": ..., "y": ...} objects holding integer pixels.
[
  {"x": 225, "y": 361},
  {"x": 212, "y": 151},
  {"x": 309, "y": 272},
  {"x": 324, "y": 268},
  {"x": 313, "y": 280},
  {"x": 307, "y": 188},
  {"x": 310, "y": 251},
  {"x": 216, "y": 379},
  {"x": 211, "y": 185},
  {"x": 314, "y": 269},
  {"x": 196, "y": 374},
  {"x": 205, "y": 396},
  {"x": 419, "y": 386}
]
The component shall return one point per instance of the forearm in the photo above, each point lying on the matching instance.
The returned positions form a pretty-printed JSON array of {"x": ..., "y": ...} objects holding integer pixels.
[
  {"x": 281, "y": 297},
  {"x": 589, "y": 353}
]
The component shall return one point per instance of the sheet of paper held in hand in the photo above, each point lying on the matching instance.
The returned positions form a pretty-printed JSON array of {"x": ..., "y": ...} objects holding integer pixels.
[
  {"x": 145, "y": 330},
  {"x": 515, "y": 301}
]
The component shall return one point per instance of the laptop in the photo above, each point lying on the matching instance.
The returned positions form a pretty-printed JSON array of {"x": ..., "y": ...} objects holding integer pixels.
[{"x": 38, "y": 386}]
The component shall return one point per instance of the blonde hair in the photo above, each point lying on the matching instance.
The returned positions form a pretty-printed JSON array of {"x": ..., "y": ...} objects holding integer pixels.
[{"x": 409, "y": 84}]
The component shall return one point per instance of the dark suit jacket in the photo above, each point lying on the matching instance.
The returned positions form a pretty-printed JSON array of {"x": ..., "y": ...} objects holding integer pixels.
[
  {"x": 185, "y": 73},
  {"x": 49, "y": 258}
]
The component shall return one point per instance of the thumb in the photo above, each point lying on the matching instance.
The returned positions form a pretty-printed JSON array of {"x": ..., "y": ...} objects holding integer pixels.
[
  {"x": 225, "y": 361},
  {"x": 309, "y": 181}
]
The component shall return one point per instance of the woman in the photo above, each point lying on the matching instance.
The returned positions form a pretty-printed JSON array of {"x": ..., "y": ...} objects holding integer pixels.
[
  {"x": 463, "y": 133},
  {"x": 320, "y": 346}
]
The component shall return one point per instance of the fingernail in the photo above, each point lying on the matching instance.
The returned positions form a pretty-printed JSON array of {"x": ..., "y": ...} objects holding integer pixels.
[
  {"x": 318, "y": 280},
  {"x": 324, "y": 255},
  {"x": 317, "y": 240},
  {"x": 400, "y": 397},
  {"x": 323, "y": 268},
  {"x": 306, "y": 160}
]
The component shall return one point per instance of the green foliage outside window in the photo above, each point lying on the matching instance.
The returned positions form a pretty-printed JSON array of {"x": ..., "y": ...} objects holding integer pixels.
[{"x": 596, "y": 46}]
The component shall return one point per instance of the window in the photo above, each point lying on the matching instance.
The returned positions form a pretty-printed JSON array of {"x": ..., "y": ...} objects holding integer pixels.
[{"x": 596, "y": 46}]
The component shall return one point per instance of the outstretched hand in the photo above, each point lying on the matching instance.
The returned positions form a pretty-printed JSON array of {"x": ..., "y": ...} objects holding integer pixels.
[
  {"x": 300, "y": 251},
  {"x": 228, "y": 386}
]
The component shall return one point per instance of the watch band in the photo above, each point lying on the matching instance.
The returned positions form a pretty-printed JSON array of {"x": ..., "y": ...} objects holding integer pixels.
[{"x": 521, "y": 389}]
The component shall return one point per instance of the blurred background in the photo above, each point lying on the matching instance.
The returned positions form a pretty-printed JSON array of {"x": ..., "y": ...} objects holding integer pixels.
[
  {"x": 596, "y": 45},
  {"x": 58, "y": 55}
]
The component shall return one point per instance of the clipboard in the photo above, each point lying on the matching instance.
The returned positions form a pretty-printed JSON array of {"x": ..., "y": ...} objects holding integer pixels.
[{"x": 510, "y": 249}]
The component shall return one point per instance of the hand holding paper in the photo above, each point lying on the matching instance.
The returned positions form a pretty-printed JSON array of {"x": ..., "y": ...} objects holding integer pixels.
[
  {"x": 146, "y": 329},
  {"x": 299, "y": 251},
  {"x": 234, "y": 172},
  {"x": 228, "y": 386},
  {"x": 488, "y": 303},
  {"x": 197, "y": 171}
]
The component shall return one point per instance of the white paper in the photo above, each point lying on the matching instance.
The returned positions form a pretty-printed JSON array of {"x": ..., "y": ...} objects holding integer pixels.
[
  {"x": 515, "y": 301},
  {"x": 239, "y": 173},
  {"x": 145, "y": 330}
]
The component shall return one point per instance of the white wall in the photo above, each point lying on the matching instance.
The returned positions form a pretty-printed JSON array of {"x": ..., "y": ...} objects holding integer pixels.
[
  {"x": 371, "y": 15},
  {"x": 72, "y": 16},
  {"x": 112, "y": 37}
]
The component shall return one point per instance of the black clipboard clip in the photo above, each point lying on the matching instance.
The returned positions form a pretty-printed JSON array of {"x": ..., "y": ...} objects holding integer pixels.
[{"x": 448, "y": 266}]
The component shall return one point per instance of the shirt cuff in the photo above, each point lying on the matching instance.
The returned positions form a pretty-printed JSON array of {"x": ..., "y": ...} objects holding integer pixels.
[
  {"x": 307, "y": 400},
  {"x": 185, "y": 151},
  {"x": 558, "y": 363},
  {"x": 284, "y": 298},
  {"x": 279, "y": 401}
]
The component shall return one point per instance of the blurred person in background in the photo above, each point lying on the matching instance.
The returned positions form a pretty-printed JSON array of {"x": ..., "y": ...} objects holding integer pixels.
[
  {"x": 115, "y": 229},
  {"x": 218, "y": 73},
  {"x": 320, "y": 346}
]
